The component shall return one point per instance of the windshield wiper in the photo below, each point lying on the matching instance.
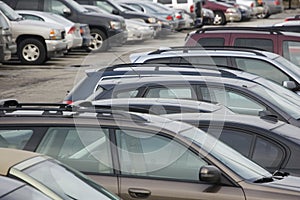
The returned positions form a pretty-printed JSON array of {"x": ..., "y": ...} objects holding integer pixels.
[{"x": 264, "y": 180}]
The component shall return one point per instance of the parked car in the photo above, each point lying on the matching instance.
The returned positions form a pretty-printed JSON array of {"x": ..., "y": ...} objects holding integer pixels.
[
  {"x": 137, "y": 29},
  {"x": 208, "y": 16},
  {"x": 14, "y": 189},
  {"x": 106, "y": 31},
  {"x": 7, "y": 43},
  {"x": 113, "y": 8},
  {"x": 246, "y": 11},
  {"x": 256, "y": 6},
  {"x": 223, "y": 12},
  {"x": 240, "y": 96},
  {"x": 279, "y": 40},
  {"x": 73, "y": 37},
  {"x": 159, "y": 106},
  {"x": 263, "y": 63},
  {"x": 294, "y": 18},
  {"x": 36, "y": 41},
  {"x": 49, "y": 176},
  {"x": 268, "y": 142},
  {"x": 271, "y": 7},
  {"x": 183, "y": 160}
]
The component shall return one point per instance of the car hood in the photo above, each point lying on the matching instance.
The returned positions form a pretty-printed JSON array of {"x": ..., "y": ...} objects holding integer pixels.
[
  {"x": 287, "y": 183},
  {"x": 35, "y": 23}
]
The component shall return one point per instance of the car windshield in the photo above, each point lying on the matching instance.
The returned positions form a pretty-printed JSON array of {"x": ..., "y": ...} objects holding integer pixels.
[
  {"x": 283, "y": 103},
  {"x": 66, "y": 182},
  {"x": 77, "y": 6},
  {"x": 235, "y": 161},
  {"x": 289, "y": 65},
  {"x": 9, "y": 12}
]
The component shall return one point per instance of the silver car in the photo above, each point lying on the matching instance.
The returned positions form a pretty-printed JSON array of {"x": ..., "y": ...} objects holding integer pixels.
[{"x": 73, "y": 37}]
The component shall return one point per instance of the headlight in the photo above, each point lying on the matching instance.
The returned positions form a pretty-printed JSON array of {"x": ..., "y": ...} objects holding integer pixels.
[
  {"x": 55, "y": 34},
  {"x": 232, "y": 10},
  {"x": 151, "y": 20},
  {"x": 115, "y": 25}
]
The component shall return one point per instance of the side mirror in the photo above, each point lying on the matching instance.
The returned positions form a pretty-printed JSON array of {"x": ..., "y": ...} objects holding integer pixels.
[
  {"x": 289, "y": 84},
  {"x": 210, "y": 174},
  {"x": 115, "y": 12},
  {"x": 67, "y": 11}
]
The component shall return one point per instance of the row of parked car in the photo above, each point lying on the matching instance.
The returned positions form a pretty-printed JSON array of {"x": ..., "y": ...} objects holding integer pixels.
[
  {"x": 189, "y": 122},
  {"x": 97, "y": 25}
]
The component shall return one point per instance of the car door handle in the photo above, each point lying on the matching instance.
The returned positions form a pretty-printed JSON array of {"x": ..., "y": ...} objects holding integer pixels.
[{"x": 139, "y": 193}]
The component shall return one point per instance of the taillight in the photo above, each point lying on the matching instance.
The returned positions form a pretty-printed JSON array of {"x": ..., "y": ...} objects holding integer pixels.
[
  {"x": 81, "y": 31},
  {"x": 169, "y": 17},
  {"x": 252, "y": 5},
  {"x": 178, "y": 16},
  {"x": 277, "y": 2},
  {"x": 72, "y": 30},
  {"x": 69, "y": 102},
  {"x": 192, "y": 8}
]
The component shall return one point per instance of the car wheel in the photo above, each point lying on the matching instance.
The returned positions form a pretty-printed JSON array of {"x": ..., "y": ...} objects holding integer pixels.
[
  {"x": 99, "y": 40},
  {"x": 220, "y": 18},
  {"x": 32, "y": 51},
  {"x": 265, "y": 14}
]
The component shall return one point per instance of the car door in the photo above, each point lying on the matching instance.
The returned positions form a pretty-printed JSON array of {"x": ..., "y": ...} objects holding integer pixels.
[
  {"x": 156, "y": 166},
  {"x": 290, "y": 48},
  {"x": 86, "y": 149}
]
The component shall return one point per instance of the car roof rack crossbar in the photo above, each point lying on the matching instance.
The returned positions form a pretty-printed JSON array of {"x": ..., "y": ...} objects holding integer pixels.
[
  {"x": 270, "y": 29},
  {"x": 186, "y": 49}
]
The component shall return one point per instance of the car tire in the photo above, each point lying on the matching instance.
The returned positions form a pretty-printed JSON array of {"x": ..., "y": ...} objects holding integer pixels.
[
  {"x": 220, "y": 18},
  {"x": 99, "y": 41},
  {"x": 32, "y": 51}
]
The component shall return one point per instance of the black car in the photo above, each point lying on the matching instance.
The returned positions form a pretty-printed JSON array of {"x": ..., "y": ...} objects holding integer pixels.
[
  {"x": 240, "y": 96},
  {"x": 113, "y": 7},
  {"x": 106, "y": 31},
  {"x": 139, "y": 155},
  {"x": 270, "y": 143}
]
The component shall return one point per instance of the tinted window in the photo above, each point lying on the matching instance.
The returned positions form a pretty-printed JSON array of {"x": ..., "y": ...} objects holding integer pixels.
[
  {"x": 165, "y": 1},
  {"x": 211, "y": 41},
  {"x": 173, "y": 92},
  {"x": 182, "y": 1},
  {"x": 16, "y": 139},
  {"x": 264, "y": 44},
  {"x": 267, "y": 153},
  {"x": 85, "y": 149},
  {"x": 126, "y": 94},
  {"x": 262, "y": 68},
  {"x": 291, "y": 51},
  {"x": 238, "y": 140},
  {"x": 31, "y": 17},
  {"x": 27, "y": 5},
  {"x": 153, "y": 155},
  {"x": 237, "y": 102}
]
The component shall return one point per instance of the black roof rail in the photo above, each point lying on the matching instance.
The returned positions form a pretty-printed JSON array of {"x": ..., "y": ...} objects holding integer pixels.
[
  {"x": 270, "y": 29},
  {"x": 186, "y": 49}
]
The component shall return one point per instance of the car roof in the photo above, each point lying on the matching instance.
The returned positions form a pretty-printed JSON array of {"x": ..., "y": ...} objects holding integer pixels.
[
  {"x": 11, "y": 157},
  {"x": 266, "y": 122},
  {"x": 162, "y": 102}
]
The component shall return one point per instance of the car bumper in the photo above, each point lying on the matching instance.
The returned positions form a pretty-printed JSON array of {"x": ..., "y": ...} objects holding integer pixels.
[
  {"x": 235, "y": 17},
  {"x": 56, "y": 47},
  {"x": 73, "y": 41}
]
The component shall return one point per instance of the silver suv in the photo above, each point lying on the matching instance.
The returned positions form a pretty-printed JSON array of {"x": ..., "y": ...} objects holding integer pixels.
[
  {"x": 37, "y": 41},
  {"x": 266, "y": 64}
]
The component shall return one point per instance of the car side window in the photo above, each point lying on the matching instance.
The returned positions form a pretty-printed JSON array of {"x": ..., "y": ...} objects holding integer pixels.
[
  {"x": 239, "y": 140},
  {"x": 235, "y": 101},
  {"x": 291, "y": 51},
  {"x": 126, "y": 94},
  {"x": 265, "y": 44},
  {"x": 106, "y": 6},
  {"x": 32, "y": 17},
  {"x": 16, "y": 139},
  {"x": 27, "y": 5},
  {"x": 211, "y": 41},
  {"x": 267, "y": 154},
  {"x": 173, "y": 92},
  {"x": 156, "y": 156},
  {"x": 55, "y": 6},
  {"x": 85, "y": 149},
  {"x": 262, "y": 68},
  {"x": 165, "y": 1}
]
